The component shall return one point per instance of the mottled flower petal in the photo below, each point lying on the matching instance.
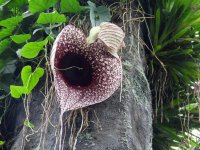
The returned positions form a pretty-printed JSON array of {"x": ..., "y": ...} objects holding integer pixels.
[{"x": 83, "y": 75}]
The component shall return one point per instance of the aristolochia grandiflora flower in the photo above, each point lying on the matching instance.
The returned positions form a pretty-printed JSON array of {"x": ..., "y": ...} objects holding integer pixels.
[{"x": 84, "y": 72}]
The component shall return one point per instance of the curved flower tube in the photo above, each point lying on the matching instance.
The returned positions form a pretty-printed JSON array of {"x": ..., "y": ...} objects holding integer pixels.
[{"x": 83, "y": 74}]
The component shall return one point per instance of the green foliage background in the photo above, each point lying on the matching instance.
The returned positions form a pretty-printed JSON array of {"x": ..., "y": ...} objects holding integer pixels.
[{"x": 173, "y": 56}]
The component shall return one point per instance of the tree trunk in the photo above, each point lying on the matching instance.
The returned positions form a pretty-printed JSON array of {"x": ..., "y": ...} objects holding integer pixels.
[{"x": 123, "y": 122}]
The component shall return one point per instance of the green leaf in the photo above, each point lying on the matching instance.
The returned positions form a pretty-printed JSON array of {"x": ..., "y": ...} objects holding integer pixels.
[
  {"x": 70, "y": 6},
  {"x": 40, "y": 5},
  {"x": 17, "y": 3},
  {"x": 98, "y": 14},
  {"x": 11, "y": 22},
  {"x": 21, "y": 38},
  {"x": 17, "y": 91},
  {"x": 3, "y": 3},
  {"x": 32, "y": 49},
  {"x": 5, "y": 32},
  {"x": 192, "y": 106},
  {"x": 28, "y": 124},
  {"x": 2, "y": 143},
  {"x": 9, "y": 25},
  {"x": 3, "y": 45},
  {"x": 29, "y": 78},
  {"x": 51, "y": 18}
]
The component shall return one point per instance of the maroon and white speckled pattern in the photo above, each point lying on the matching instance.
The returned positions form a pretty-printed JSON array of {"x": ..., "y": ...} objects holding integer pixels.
[{"x": 106, "y": 75}]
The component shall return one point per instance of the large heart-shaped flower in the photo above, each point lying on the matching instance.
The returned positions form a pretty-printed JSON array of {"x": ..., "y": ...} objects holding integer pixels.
[{"x": 83, "y": 74}]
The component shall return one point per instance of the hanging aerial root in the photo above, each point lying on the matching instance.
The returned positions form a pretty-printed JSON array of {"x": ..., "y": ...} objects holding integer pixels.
[{"x": 72, "y": 121}]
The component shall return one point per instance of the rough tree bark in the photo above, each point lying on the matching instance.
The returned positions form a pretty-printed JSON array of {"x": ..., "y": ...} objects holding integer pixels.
[{"x": 124, "y": 125}]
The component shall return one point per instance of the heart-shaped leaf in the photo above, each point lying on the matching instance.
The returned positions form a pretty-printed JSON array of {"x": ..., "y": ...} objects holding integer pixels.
[
  {"x": 21, "y": 38},
  {"x": 32, "y": 49},
  {"x": 9, "y": 25},
  {"x": 5, "y": 32},
  {"x": 17, "y": 3},
  {"x": 11, "y": 22},
  {"x": 51, "y": 18},
  {"x": 29, "y": 78},
  {"x": 17, "y": 91},
  {"x": 70, "y": 6},
  {"x": 40, "y": 5}
]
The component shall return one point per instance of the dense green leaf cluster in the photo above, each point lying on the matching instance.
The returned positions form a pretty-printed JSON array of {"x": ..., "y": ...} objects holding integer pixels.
[
  {"x": 174, "y": 46},
  {"x": 173, "y": 57}
]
